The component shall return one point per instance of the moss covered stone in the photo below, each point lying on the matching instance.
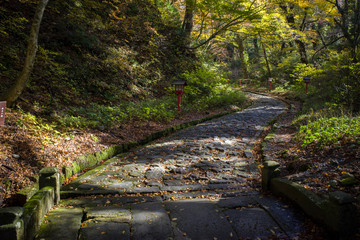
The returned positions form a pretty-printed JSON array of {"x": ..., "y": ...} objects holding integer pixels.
[
  {"x": 75, "y": 167},
  {"x": 48, "y": 171},
  {"x": 67, "y": 171},
  {"x": 68, "y": 223},
  {"x": 10, "y": 214},
  {"x": 349, "y": 181},
  {"x": 26, "y": 193}
]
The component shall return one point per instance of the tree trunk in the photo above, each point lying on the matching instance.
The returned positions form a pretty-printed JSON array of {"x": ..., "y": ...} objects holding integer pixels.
[
  {"x": 188, "y": 20},
  {"x": 240, "y": 42},
  {"x": 302, "y": 51},
  {"x": 256, "y": 51},
  {"x": 266, "y": 60},
  {"x": 290, "y": 19},
  {"x": 20, "y": 83}
]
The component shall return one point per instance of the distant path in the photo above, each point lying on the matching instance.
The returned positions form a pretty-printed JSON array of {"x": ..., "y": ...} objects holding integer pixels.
[{"x": 199, "y": 183}]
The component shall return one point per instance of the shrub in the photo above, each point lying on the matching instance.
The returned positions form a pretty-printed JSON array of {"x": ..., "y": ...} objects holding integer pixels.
[
  {"x": 325, "y": 130},
  {"x": 202, "y": 82}
]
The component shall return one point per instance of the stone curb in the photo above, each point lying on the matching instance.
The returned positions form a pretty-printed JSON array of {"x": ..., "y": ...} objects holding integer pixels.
[
  {"x": 336, "y": 211},
  {"x": 18, "y": 223}
]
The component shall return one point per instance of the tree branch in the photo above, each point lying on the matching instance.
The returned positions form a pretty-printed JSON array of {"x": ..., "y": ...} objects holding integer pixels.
[
  {"x": 326, "y": 45},
  {"x": 226, "y": 26}
]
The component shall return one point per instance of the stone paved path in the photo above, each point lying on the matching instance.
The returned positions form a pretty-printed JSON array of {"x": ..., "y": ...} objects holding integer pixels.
[{"x": 199, "y": 183}]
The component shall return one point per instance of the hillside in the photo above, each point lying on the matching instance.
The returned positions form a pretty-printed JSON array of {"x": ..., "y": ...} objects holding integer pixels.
[{"x": 102, "y": 76}]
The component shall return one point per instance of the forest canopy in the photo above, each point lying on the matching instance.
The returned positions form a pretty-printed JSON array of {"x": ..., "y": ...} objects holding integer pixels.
[{"x": 120, "y": 50}]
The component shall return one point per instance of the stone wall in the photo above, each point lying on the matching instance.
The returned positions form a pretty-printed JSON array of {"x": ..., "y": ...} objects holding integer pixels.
[
  {"x": 18, "y": 223},
  {"x": 336, "y": 211}
]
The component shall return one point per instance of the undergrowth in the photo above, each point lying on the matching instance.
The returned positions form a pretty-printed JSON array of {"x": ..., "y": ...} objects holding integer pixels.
[
  {"x": 324, "y": 128},
  {"x": 206, "y": 89}
]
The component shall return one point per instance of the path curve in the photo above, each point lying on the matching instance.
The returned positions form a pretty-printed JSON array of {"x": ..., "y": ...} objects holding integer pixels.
[
  {"x": 212, "y": 155},
  {"x": 198, "y": 183}
]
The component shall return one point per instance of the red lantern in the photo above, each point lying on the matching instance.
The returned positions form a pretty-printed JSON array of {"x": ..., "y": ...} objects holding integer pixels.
[
  {"x": 179, "y": 89},
  {"x": 307, "y": 81},
  {"x": 270, "y": 81}
]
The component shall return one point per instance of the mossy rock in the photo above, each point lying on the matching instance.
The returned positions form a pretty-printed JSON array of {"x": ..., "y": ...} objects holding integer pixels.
[
  {"x": 67, "y": 171},
  {"x": 75, "y": 167},
  {"x": 349, "y": 181}
]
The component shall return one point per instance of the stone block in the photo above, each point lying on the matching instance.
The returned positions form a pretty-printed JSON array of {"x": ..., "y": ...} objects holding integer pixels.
[
  {"x": 31, "y": 218},
  {"x": 75, "y": 167},
  {"x": 269, "y": 171},
  {"x": 307, "y": 200},
  {"x": 67, "y": 171},
  {"x": 26, "y": 193},
  {"x": 49, "y": 177},
  {"x": 132, "y": 144},
  {"x": 47, "y": 198},
  {"x": 62, "y": 224},
  {"x": 340, "y": 214},
  {"x": 336, "y": 212},
  {"x": 87, "y": 161},
  {"x": 102, "y": 155},
  {"x": 11, "y": 224},
  {"x": 35, "y": 210}
]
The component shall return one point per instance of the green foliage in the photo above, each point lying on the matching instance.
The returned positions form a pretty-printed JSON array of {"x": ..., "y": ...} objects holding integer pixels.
[
  {"x": 105, "y": 51},
  {"x": 160, "y": 110},
  {"x": 325, "y": 130},
  {"x": 223, "y": 97},
  {"x": 208, "y": 88},
  {"x": 169, "y": 13},
  {"x": 40, "y": 127},
  {"x": 202, "y": 82}
]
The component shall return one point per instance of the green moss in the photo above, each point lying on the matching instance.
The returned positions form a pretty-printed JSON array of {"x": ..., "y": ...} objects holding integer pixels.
[
  {"x": 75, "y": 167},
  {"x": 349, "y": 181},
  {"x": 67, "y": 171}
]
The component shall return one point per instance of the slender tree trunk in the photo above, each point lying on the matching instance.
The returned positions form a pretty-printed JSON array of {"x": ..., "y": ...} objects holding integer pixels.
[
  {"x": 240, "y": 42},
  {"x": 302, "y": 51},
  {"x": 354, "y": 54},
  {"x": 290, "y": 19},
  {"x": 188, "y": 20},
  {"x": 256, "y": 51},
  {"x": 20, "y": 83},
  {"x": 266, "y": 59}
]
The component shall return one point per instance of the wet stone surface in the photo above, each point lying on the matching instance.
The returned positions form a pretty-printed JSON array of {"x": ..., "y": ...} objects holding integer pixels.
[{"x": 199, "y": 183}]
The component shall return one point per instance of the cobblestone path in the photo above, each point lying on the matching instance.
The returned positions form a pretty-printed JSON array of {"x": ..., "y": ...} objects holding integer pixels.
[{"x": 199, "y": 183}]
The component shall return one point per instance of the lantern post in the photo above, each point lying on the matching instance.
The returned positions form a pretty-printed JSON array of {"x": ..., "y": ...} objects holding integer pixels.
[
  {"x": 307, "y": 81},
  {"x": 179, "y": 90},
  {"x": 270, "y": 81},
  {"x": 2, "y": 113}
]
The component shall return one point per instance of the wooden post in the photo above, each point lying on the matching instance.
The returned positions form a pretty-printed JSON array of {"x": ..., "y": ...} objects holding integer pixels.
[{"x": 2, "y": 113}]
